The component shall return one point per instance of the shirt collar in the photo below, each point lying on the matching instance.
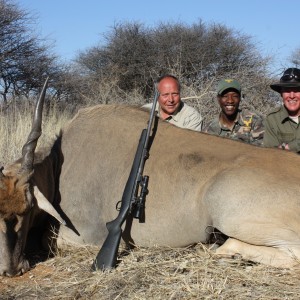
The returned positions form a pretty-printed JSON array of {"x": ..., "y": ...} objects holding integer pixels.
[
  {"x": 238, "y": 120},
  {"x": 284, "y": 115},
  {"x": 174, "y": 116}
]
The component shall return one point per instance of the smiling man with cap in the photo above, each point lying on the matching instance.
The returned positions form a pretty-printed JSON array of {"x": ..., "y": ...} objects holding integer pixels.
[
  {"x": 232, "y": 122},
  {"x": 282, "y": 123}
]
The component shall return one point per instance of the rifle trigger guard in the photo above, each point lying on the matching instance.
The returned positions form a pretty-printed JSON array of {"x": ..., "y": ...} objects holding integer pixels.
[{"x": 118, "y": 205}]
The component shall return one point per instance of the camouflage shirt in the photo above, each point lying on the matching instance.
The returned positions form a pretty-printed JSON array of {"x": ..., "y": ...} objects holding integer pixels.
[
  {"x": 280, "y": 128},
  {"x": 248, "y": 127}
]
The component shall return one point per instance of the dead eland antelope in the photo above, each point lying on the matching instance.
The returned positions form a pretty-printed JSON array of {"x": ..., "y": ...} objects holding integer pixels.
[{"x": 197, "y": 182}]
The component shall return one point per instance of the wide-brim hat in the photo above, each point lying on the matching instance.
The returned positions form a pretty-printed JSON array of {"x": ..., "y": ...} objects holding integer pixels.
[{"x": 289, "y": 79}]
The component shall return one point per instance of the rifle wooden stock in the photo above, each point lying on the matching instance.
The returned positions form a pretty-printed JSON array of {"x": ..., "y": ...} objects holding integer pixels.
[{"x": 107, "y": 256}]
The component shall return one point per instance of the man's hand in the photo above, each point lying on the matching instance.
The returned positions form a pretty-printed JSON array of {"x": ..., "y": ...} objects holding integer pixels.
[{"x": 284, "y": 146}]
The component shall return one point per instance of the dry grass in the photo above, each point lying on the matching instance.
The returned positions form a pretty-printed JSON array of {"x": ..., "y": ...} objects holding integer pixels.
[
  {"x": 15, "y": 125},
  {"x": 156, "y": 273}
]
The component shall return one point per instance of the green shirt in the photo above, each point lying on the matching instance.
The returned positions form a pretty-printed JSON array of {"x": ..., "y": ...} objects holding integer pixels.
[
  {"x": 281, "y": 129},
  {"x": 248, "y": 128}
]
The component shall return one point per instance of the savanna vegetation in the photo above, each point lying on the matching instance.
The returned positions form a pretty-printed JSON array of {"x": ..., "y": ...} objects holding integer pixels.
[
  {"x": 156, "y": 273},
  {"x": 122, "y": 69},
  {"x": 123, "y": 65}
]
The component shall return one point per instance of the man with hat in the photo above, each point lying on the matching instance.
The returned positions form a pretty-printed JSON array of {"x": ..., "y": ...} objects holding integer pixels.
[
  {"x": 282, "y": 123},
  {"x": 232, "y": 122}
]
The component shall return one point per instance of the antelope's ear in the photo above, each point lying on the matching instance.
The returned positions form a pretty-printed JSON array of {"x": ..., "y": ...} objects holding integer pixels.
[{"x": 46, "y": 206}]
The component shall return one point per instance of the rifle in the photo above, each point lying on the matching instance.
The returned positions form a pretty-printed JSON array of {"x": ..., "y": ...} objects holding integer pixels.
[{"x": 132, "y": 201}]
